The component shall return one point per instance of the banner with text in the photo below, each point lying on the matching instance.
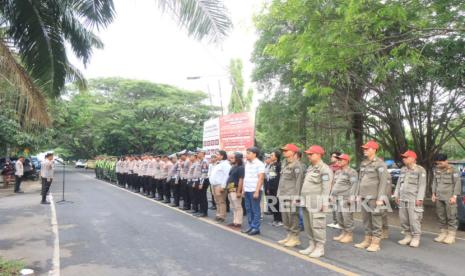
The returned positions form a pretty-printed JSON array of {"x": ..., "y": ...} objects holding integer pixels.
[{"x": 233, "y": 132}]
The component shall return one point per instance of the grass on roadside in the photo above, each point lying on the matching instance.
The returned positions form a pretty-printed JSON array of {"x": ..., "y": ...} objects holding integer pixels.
[{"x": 10, "y": 268}]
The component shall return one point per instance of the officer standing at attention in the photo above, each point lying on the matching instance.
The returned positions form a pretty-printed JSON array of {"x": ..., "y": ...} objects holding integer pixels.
[
  {"x": 158, "y": 184},
  {"x": 151, "y": 188},
  {"x": 343, "y": 190},
  {"x": 185, "y": 166},
  {"x": 191, "y": 183},
  {"x": 204, "y": 183},
  {"x": 409, "y": 195},
  {"x": 371, "y": 188},
  {"x": 315, "y": 190},
  {"x": 290, "y": 184},
  {"x": 173, "y": 177},
  {"x": 46, "y": 173},
  {"x": 334, "y": 166},
  {"x": 19, "y": 172},
  {"x": 446, "y": 188},
  {"x": 132, "y": 172},
  {"x": 272, "y": 186},
  {"x": 168, "y": 165}
]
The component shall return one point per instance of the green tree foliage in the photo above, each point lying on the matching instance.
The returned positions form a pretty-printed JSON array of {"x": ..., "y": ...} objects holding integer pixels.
[
  {"x": 239, "y": 102},
  {"x": 389, "y": 70},
  {"x": 120, "y": 116}
]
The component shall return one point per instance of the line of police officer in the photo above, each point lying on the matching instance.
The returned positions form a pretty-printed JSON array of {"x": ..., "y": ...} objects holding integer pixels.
[
  {"x": 314, "y": 190},
  {"x": 164, "y": 177}
]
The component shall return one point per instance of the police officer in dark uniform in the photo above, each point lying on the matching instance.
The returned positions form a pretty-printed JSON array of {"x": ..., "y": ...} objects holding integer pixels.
[{"x": 204, "y": 183}]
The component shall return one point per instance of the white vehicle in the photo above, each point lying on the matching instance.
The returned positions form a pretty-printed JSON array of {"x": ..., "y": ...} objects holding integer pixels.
[{"x": 80, "y": 163}]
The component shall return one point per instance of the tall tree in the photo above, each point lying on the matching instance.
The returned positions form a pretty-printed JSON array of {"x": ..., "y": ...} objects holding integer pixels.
[
  {"x": 373, "y": 58},
  {"x": 120, "y": 116}
]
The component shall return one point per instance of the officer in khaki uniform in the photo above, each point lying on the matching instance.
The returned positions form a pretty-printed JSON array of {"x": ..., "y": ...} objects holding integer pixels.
[
  {"x": 446, "y": 188},
  {"x": 409, "y": 195},
  {"x": 315, "y": 193},
  {"x": 371, "y": 189},
  {"x": 385, "y": 233},
  {"x": 290, "y": 184},
  {"x": 345, "y": 182}
]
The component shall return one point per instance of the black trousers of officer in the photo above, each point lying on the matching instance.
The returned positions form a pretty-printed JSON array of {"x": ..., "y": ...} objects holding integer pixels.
[
  {"x": 160, "y": 184},
  {"x": 125, "y": 179},
  {"x": 185, "y": 194},
  {"x": 176, "y": 188},
  {"x": 274, "y": 208},
  {"x": 202, "y": 197},
  {"x": 167, "y": 190},
  {"x": 18, "y": 180},
  {"x": 136, "y": 182},
  {"x": 154, "y": 187},
  {"x": 194, "y": 194},
  {"x": 45, "y": 188}
]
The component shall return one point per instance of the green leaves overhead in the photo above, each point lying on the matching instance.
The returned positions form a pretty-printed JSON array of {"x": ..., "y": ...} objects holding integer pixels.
[
  {"x": 202, "y": 18},
  {"x": 120, "y": 116},
  {"x": 40, "y": 30}
]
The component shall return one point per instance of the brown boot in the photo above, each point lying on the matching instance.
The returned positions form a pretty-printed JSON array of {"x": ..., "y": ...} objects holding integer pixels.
[
  {"x": 348, "y": 238},
  {"x": 406, "y": 240},
  {"x": 450, "y": 239},
  {"x": 293, "y": 241},
  {"x": 283, "y": 241},
  {"x": 415, "y": 242},
  {"x": 365, "y": 243},
  {"x": 319, "y": 250},
  {"x": 385, "y": 234},
  {"x": 442, "y": 236},
  {"x": 375, "y": 245},
  {"x": 338, "y": 238}
]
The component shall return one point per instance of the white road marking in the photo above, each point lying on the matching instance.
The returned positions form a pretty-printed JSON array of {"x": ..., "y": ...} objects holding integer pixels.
[{"x": 56, "y": 242}]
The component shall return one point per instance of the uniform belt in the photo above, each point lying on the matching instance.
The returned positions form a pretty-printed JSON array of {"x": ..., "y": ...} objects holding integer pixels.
[{"x": 195, "y": 179}]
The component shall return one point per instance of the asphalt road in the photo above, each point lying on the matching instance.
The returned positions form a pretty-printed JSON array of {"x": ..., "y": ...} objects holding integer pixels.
[{"x": 109, "y": 231}]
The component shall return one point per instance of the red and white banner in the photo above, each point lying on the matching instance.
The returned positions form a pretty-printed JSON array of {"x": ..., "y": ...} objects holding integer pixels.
[
  {"x": 235, "y": 133},
  {"x": 211, "y": 136}
]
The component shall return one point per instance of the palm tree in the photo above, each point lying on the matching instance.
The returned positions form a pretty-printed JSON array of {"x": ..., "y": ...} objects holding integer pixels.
[{"x": 37, "y": 32}]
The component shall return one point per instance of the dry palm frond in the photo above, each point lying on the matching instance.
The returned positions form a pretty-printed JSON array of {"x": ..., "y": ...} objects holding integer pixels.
[{"x": 31, "y": 105}]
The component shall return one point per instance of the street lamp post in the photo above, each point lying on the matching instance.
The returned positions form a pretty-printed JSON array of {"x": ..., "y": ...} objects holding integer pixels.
[{"x": 208, "y": 89}]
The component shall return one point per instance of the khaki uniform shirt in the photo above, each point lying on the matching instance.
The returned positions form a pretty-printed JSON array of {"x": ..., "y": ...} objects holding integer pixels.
[
  {"x": 446, "y": 183},
  {"x": 317, "y": 184},
  {"x": 411, "y": 185},
  {"x": 345, "y": 182},
  {"x": 291, "y": 179},
  {"x": 373, "y": 179}
]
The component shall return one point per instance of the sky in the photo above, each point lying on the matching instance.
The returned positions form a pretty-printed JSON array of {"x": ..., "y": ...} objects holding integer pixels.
[{"x": 143, "y": 43}]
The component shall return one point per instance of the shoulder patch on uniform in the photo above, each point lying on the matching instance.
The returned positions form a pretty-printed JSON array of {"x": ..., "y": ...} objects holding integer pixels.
[
  {"x": 325, "y": 177},
  {"x": 381, "y": 169},
  {"x": 353, "y": 178},
  {"x": 456, "y": 175},
  {"x": 297, "y": 170}
]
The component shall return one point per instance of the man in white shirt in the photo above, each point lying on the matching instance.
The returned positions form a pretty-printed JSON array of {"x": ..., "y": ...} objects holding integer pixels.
[
  {"x": 46, "y": 173},
  {"x": 19, "y": 172},
  {"x": 253, "y": 182},
  {"x": 218, "y": 179}
]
